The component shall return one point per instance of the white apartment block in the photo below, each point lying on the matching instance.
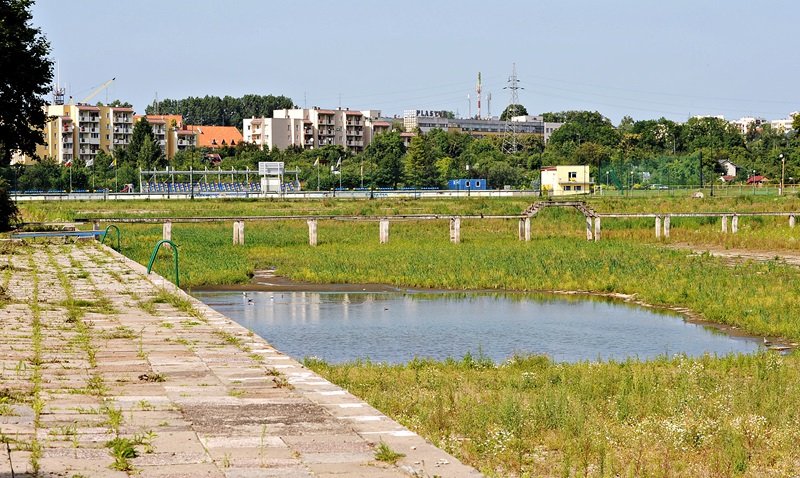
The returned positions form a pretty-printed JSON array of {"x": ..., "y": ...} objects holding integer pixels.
[
  {"x": 744, "y": 123},
  {"x": 314, "y": 128},
  {"x": 784, "y": 125}
]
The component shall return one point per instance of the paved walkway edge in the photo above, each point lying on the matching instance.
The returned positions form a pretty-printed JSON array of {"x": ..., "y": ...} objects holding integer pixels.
[{"x": 422, "y": 459}]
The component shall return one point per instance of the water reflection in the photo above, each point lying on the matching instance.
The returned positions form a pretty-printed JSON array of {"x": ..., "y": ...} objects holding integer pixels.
[{"x": 396, "y": 327}]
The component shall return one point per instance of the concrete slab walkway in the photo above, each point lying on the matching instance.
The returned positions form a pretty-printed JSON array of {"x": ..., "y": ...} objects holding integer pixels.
[{"x": 105, "y": 371}]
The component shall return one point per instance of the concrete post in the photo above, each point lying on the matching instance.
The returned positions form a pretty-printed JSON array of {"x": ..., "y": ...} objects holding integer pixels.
[
  {"x": 525, "y": 229},
  {"x": 735, "y": 224},
  {"x": 666, "y": 227},
  {"x": 455, "y": 230},
  {"x": 96, "y": 227},
  {"x": 167, "y": 233},
  {"x": 596, "y": 228},
  {"x": 384, "y": 231},
  {"x": 724, "y": 224},
  {"x": 658, "y": 227},
  {"x": 791, "y": 221},
  {"x": 238, "y": 233},
  {"x": 588, "y": 228},
  {"x": 312, "y": 232}
]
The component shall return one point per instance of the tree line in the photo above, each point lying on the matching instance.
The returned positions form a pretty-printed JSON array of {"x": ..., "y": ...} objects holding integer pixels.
[
  {"x": 632, "y": 154},
  {"x": 225, "y": 111}
]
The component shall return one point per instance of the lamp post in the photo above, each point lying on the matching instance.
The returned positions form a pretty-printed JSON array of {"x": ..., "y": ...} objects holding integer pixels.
[
  {"x": 607, "y": 173},
  {"x": 630, "y": 185},
  {"x": 783, "y": 172},
  {"x": 753, "y": 179},
  {"x": 469, "y": 185}
]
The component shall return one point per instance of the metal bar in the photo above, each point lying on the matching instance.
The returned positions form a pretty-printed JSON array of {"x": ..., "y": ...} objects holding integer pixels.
[{"x": 175, "y": 255}]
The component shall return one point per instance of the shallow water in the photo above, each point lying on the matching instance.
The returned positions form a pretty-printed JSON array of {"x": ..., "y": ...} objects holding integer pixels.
[{"x": 396, "y": 327}]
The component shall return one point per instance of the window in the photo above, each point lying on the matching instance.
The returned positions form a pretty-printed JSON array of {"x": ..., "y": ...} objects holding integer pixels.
[
  {"x": 567, "y": 188},
  {"x": 572, "y": 175},
  {"x": 467, "y": 183},
  {"x": 577, "y": 188}
]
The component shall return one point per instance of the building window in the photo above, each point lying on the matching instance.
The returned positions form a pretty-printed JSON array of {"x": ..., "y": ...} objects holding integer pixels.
[
  {"x": 567, "y": 188},
  {"x": 577, "y": 188},
  {"x": 572, "y": 175}
]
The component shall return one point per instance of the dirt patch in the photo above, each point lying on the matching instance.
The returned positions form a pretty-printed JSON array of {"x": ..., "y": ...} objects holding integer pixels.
[
  {"x": 738, "y": 256},
  {"x": 266, "y": 280}
]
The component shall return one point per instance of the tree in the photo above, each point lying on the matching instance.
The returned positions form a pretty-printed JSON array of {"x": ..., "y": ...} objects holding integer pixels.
[
  {"x": 796, "y": 122},
  {"x": 27, "y": 73},
  {"x": 513, "y": 110},
  {"x": 420, "y": 163},
  {"x": 386, "y": 151}
]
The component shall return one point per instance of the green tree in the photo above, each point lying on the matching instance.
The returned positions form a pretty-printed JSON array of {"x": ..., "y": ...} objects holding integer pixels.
[
  {"x": 513, "y": 110},
  {"x": 585, "y": 126},
  {"x": 27, "y": 73},
  {"x": 420, "y": 163},
  {"x": 386, "y": 152}
]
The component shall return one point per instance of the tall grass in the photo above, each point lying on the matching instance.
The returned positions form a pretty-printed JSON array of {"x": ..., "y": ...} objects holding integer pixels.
[{"x": 732, "y": 416}]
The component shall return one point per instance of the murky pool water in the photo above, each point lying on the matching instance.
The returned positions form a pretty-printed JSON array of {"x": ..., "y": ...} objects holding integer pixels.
[{"x": 396, "y": 327}]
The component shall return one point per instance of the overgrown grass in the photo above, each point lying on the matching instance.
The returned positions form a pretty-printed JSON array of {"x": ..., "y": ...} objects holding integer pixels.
[{"x": 732, "y": 416}]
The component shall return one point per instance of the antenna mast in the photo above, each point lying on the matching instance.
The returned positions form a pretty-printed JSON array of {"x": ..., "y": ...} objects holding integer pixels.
[
  {"x": 511, "y": 138},
  {"x": 478, "y": 91},
  {"x": 489, "y": 104}
]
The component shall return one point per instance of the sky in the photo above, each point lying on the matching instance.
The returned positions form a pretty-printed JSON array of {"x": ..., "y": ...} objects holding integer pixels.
[{"x": 642, "y": 58}]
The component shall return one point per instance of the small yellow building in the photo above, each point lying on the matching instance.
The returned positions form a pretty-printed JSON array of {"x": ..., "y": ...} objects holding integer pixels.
[{"x": 566, "y": 180}]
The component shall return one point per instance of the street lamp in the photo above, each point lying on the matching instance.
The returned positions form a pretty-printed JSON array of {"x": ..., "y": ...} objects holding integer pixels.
[
  {"x": 783, "y": 172},
  {"x": 469, "y": 185},
  {"x": 753, "y": 179}
]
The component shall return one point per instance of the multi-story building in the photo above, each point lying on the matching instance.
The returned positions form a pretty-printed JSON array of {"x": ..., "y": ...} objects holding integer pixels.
[
  {"x": 116, "y": 127},
  {"x": 170, "y": 133},
  {"x": 72, "y": 133},
  {"x": 784, "y": 125},
  {"x": 744, "y": 123},
  {"x": 315, "y": 127},
  {"x": 428, "y": 120}
]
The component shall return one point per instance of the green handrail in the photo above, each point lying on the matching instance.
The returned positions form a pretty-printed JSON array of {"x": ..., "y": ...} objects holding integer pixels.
[
  {"x": 175, "y": 255},
  {"x": 106, "y": 233}
]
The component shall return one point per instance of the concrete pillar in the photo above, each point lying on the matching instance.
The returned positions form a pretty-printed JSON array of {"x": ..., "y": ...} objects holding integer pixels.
[
  {"x": 384, "y": 231},
  {"x": 724, "y": 224},
  {"x": 666, "y": 227},
  {"x": 238, "y": 233},
  {"x": 596, "y": 228},
  {"x": 735, "y": 224},
  {"x": 658, "y": 227},
  {"x": 588, "y": 228},
  {"x": 167, "y": 233},
  {"x": 525, "y": 229},
  {"x": 312, "y": 232},
  {"x": 791, "y": 221},
  {"x": 455, "y": 230},
  {"x": 96, "y": 227}
]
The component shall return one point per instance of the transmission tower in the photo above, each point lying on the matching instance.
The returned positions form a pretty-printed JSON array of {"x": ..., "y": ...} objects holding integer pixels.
[{"x": 511, "y": 138}]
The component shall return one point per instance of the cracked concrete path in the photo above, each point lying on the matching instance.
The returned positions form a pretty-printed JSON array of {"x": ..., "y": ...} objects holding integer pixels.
[{"x": 106, "y": 371}]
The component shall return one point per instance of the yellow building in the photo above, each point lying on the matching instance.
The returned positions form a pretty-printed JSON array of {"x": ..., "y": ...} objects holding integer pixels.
[
  {"x": 170, "y": 133},
  {"x": 80, "y": 131},
  {"x": 566, "y": 180}
]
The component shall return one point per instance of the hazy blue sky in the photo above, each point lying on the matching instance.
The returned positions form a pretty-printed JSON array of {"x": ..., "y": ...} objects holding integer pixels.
[{"x": 643, "y": 58}]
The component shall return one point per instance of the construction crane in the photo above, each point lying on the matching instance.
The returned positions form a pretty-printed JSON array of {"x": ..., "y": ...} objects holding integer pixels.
[{"x": 95, "y": 92}]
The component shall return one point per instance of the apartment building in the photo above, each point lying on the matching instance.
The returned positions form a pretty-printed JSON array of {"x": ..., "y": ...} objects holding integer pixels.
[
  {"x": 315, "y": 127},
  {"x": 73, "y": 133},
  {"x": 171, "y": 134},
  {"x": 428, "y": 120},
  {"x": 116, "y": 127}
]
